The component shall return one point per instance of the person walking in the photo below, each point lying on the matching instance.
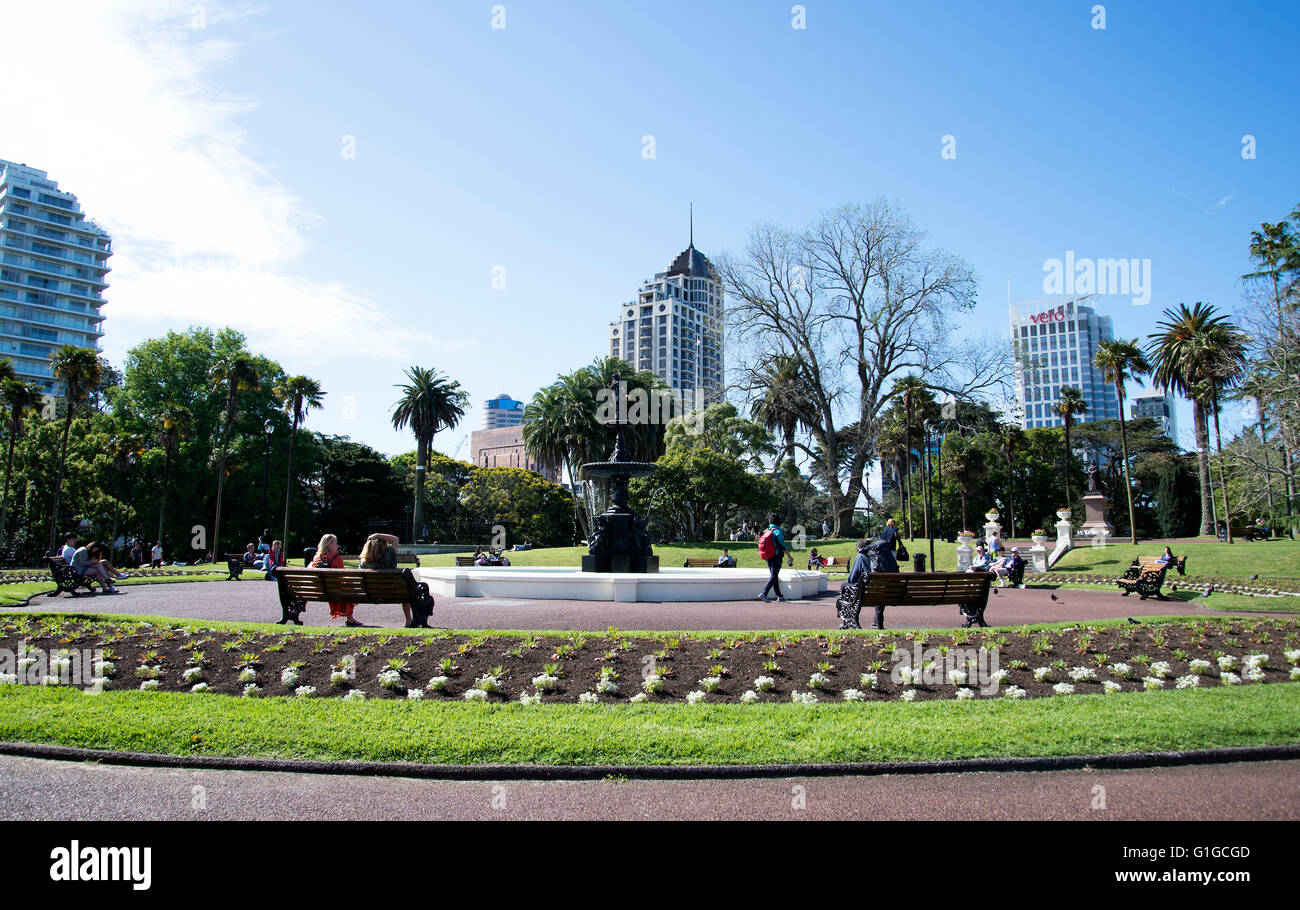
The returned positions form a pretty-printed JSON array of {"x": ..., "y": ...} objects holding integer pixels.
[{"x": 771, "y": 548}]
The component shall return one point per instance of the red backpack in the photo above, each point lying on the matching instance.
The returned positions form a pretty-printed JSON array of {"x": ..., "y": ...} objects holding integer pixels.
[{"x": 766, "y": 545}]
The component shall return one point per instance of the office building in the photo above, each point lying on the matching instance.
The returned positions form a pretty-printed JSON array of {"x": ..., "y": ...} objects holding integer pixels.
[
  {"x": 503, "y": 447},
  {"x": 53, "y": 274},
  {"x": 502, "y": 411},
  {"x": 674, "y": 327},
  {"x": 1158, "y": 405},
  {"x": 1055, "y": 345}
]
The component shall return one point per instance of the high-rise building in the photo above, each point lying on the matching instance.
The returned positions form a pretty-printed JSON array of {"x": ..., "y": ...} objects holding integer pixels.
[
  {"x": 54, "y": 271},
  {"x": 504, "y": 447},
  {"x": 1159, "y": 406},
  {"x": 502, "y": 411},
  {"x": 674, "y": 327},
  {"x": 1055, "y": 345}
]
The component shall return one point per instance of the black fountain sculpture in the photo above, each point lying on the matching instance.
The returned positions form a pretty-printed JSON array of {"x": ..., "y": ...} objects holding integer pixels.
[{"x": 620, "y": 541}]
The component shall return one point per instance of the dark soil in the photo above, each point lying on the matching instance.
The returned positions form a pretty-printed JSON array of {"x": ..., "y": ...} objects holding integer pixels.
[{"x": 684, "y": 659}]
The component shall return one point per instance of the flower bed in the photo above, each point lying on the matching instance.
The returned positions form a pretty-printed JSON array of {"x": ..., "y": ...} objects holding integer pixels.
[
  {"x": 26, "y": 576},
  {"x": 682, "y": 669},
  {"x": 1263, "y": 587}
]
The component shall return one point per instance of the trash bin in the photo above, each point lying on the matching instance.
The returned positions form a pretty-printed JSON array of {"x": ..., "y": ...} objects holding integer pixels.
[
  {"x": 309, "y": 553},
  {"x": 918, "y": 562}
]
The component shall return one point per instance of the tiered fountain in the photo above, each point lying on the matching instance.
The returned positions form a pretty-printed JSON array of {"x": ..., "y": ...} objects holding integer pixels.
[{"x": 620, "y": 542}]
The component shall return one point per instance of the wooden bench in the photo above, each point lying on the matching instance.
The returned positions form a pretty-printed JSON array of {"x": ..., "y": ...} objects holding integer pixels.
[
  {"x": 835, "y": 564},
  {"x": 67, "y": 578},
  {"x": 1146, "y": 576},
  {"x": 298, "y": 587},
  {"x": 702, "y": 562},
  {"x": 464, "y": 560},
  {"x": 968, "y": 590},
  {"x": 235, "y": 566}
]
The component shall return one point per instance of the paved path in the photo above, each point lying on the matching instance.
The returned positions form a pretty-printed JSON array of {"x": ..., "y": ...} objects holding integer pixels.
[
  {"x": 255, "y": 600},
  {"x": 41, "y": 789}
]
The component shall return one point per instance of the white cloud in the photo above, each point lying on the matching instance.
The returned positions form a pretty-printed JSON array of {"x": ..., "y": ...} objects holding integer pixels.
[{"x": 201, "y": 233}]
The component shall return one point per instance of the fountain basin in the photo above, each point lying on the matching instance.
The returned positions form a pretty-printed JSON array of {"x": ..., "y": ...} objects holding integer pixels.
[{"x": 567, "y": 583}]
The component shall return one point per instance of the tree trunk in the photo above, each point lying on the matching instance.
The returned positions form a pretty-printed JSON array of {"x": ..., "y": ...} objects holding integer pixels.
[
  {"x": 1223, "y": 484},
  {"x": 221, "y": 484},
  {"x": 162, "y": 505},
  {"x": 1203, "y": 469},
  {"x": 58, "y": 484},
  {"x": 417, "y": 511},
  {"x": 9, "y": 466},
  {"x": 962, "y": 490},
  {"x": 1067, "y": 463},
  {"x": 1011, "y": 506},
  {"x": 288, "y": 484},
  {"x": 1128, "y": 483}
]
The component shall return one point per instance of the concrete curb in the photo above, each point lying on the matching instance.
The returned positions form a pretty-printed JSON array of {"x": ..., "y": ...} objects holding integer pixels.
[{"x": 1125, "y": 760}]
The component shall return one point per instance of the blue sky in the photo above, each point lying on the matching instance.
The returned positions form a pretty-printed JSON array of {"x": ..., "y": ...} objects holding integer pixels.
[{"x": 217, "y": 158}]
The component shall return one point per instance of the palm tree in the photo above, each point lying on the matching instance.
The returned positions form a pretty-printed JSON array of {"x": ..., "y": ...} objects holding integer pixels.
[
  {"x": 240, "y": 374},
  {"x": 782, "y": 404},
  {"x": 966, "y": 465},
  {"x": 912, "y": 391},
  {"x": 298, "y": 395},
  {"x": 18, "y": 399},
  {"x": 1120, "y": 361},
  {"x": 891, "y": 444},
  {"x": 560, "y": 428},
  {"x": 430, "y": 402},
  {"x": 1012, "y": 440},
  {"x": 80, "y": 370},
  {"x": 1069, "y": 404},
  {"x": 175, "y": 424},
  {"x": 1184, "y": 359},
  {"x": 123, "y": 450}
]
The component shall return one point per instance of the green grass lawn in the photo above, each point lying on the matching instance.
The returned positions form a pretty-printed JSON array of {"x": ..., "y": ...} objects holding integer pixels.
[
  {"x": 330, "y": 729},
  {"x": 16, "y": 594}
]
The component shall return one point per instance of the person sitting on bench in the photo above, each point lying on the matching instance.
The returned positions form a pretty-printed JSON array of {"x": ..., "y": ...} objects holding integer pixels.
[
  {"x": 88, "y": 567},
  {"x": 815, "y": 561},
  {"x": 726, "y": 560},
  {"x": 273, "y": 560},
  {"x": 250, "y": 557},
  {"x": 1010, "y": 569},
  {"x": 380, "y": 553},
  {"x": 329, "y": 557},
  {"x": 97, "y": 555},
  {"x": 1167, "y": 557},
  {"x": 980, "y": 561}
]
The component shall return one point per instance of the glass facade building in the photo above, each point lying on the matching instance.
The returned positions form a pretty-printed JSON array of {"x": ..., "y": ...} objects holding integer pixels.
[
  {"x": 1055, "y": 345},
  {"x": 53, "y": 272},
  {"x": 502, "y": 411}
]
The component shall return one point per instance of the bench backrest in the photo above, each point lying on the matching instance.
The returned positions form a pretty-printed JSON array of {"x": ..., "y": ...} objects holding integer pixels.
[
  {"x": 464, "y": 560},
  {"x": 701, "y": 562},
  {"x": 926, "y": 588},
  {"x": 377, "y": 586}
]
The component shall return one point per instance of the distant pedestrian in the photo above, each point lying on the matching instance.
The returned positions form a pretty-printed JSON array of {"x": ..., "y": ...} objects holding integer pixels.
[
  {"x": 155, "y": 555},
  {"x": 771, "y": 548}
]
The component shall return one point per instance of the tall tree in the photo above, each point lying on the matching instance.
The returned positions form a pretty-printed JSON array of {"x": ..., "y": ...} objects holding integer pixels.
[
  {"x": 1182, "y": 358},
  {"x": 176, "y": 420},
  {"x": 298, "y": 395},
  {"x": 1069, "y": 405},
  {"x": 429, "y": 403},
  {"x": 1011, "y": 439},
  {"x": 967, "y": 464},
  {"x": 914, "y": 395},
  {"x": 781, "y": 405},
  {"x": 80, "y": 370},
  {"x": 239, "y": 374},
  {"x": 1120, "y": 361},
  {"x": 18, "y": 399}
]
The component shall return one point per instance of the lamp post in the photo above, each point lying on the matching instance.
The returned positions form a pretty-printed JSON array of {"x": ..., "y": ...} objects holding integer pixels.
[
  {"x": 268, "y": 428},
  {"x": 929, "y": 530}
]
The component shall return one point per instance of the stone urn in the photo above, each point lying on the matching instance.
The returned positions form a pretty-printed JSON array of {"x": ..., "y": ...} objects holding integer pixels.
[
  {"x": 1063, "y": 514},
  {"x": 1039, "y": 537}
]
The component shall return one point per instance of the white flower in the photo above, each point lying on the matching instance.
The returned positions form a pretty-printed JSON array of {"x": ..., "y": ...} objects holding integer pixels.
[
  {"x": 751, "y": 696},
  {"x": 50, "y": 680},
  {"x": 8, "y": 679},
  {"x": 694, "y": 698},
  {"x": 591, "y": 698},
  {"x": 1229, "y": 679},
  {"x": 252, "y": 689},
  {"x": 1152, "y": 682},
  {"x": 60, "y": 666},
  {"x": 1227, "y": 662},
  {"x": 606, "y": 686},
  {"x": 1109, "y": 685},
  {"x": 545, "y": 682},
  {"x": 337, "y": 677},
  {"x": 638, "y": 698},
  {"x": 96, "y": 686},
  {"x": 358, "y": 695},
  {"x": 1041, "y": 673},
  {"x": 289, "y": 677},
  {"x": 475, "y": 695},
  {"x": 147, "y": 672},
  {"x": 964, "y": 693},
  {"x": 653, "y": 683},
  {"x": 711, "y": 683},
  {"x": 488, "y": 683},
  {"x": 1256, "y": 660},
  {"x": 389, "y": 679},
  {"x": 1295, "y": 673},
  {"x": 1198, "y": 667},
  {"x": 867, "y": 680},
  {"x": 957, "y": 677},
  {"x": 26, "y": 663},
  {"x": 105, "y": 668},
  {"x": 192, "y": 674},
  {"x": 1000, "y": 676},
  {"x": 803, "y": 698},
  {"x": 1187, "y": 682},
  {"x": 1161, "y": 669},
  {"x": 149, "y": 684},
  {"x": 908, "y": 676},
  {"x": 414, "y": 694},
  {"x": 247, "y": 675},
  {"x": 1292, "y": 656},
  {"x": 853, "y": 695},
  {"x": 818, "y": 681},
  {"x": 764, "y": 683},
  {"x": 1013, "y": 692},
  {"x": 199, "y": 687},
  {"x": 1123, "y": 671},
  {"x": 1063, "y": 688},
  {"x": 1252, "y": 673},
  {"x": 526, "y": 699},
  {"x": 909, "y": 695},
  {"x": 305, "y": 691},
  {"x": 1083, "y": 674},
  {"x": 437, "y": 684}
]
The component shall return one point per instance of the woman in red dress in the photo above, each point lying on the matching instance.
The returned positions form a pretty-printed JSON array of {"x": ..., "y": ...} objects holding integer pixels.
[{"x": 328, "y": 557}]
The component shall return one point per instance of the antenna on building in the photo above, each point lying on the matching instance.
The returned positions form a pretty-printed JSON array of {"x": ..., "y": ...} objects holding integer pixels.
[{"x": 692, "y": 243}]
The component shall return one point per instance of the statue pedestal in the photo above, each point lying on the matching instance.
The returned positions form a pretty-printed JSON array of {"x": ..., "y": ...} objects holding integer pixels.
[
  {"x": 1038, "y": 556},
  {"x": 1094, "y": 521},
  {"x": 1064, "y": 542},
  {"x": 964, "y": 556}
]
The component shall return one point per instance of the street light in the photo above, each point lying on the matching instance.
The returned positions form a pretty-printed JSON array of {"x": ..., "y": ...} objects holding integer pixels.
[{"x": 268, "y": 428}]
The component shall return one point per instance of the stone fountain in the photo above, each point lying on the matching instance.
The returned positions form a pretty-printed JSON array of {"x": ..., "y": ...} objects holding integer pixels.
[{"x": 620, "y": 541}]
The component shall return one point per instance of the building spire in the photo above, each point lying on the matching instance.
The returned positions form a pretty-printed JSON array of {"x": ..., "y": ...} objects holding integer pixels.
[{"x": 692, "y": 243}]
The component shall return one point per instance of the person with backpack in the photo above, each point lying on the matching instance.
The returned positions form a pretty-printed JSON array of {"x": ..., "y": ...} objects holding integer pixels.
[{"x": 771, "y": 548}]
